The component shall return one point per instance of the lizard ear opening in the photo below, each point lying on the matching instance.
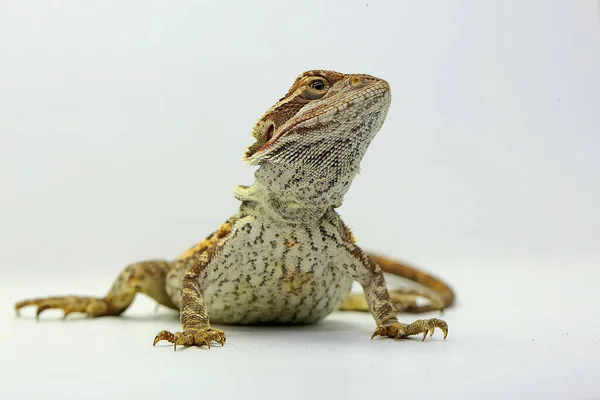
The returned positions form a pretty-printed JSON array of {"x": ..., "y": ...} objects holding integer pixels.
[
  {"x": 269, "y": 134},
  {"x": 262, "y": 132}
]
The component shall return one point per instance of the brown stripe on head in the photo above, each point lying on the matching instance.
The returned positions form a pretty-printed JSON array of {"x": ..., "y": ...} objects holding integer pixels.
[{"x": 305, "y": 89}]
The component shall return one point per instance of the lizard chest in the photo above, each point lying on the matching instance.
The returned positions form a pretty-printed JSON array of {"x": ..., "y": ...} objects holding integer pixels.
[{"x": 271, "y": 273}]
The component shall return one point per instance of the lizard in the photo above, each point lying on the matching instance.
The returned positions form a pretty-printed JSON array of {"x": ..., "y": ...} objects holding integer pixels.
[{"x": 286, "y": 256}]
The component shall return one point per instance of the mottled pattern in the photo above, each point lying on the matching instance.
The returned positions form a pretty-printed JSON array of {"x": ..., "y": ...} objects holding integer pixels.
[
  {"x": 271, "y": 281},
  {"x": 286, "y": 256}
]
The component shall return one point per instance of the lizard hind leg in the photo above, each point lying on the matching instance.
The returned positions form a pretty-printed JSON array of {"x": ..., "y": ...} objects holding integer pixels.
[
  {"x": 403, "y": 299},
  {"x": 146, "y": 277}
]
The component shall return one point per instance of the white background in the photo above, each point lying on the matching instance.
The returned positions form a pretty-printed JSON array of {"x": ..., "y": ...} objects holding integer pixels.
[{"x": 122, "y": 126}]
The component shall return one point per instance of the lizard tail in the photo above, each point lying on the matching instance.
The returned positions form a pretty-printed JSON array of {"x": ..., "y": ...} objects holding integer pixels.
[{"x": 445, "y": 293}]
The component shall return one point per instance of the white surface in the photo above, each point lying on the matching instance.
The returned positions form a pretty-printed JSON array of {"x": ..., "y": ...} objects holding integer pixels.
[
  {"x": 514, "y": 334},
  {"x": 121, "y": 130}
]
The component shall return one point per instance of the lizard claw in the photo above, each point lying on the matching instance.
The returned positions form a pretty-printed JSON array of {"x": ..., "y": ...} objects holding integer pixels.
[
  {"x": 192, "y": 337},
  {"x": 93, "y": 307},
  {"x": 394, "y": 331},
  {"x": 164, "y": 335},
  {"x": 401, "y": 331},
  {"x": 425, "y": 326}
]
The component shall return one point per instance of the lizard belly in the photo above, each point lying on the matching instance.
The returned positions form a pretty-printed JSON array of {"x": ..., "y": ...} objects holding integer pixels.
[
  {"x": 280, "y": 295},
  {"x": 289, "y": 278}
]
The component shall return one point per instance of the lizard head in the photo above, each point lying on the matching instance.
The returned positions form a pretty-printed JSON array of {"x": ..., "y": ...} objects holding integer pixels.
[
  {"x": 310, "y": 144},
  {"x": 326, "y": 118}
]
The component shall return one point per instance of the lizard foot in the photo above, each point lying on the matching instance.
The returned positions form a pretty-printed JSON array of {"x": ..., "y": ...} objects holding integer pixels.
[
  {"x": 192, "y": 337},
  {"x": 400, "y": 331},
  {"x": 93, "y": 307}
]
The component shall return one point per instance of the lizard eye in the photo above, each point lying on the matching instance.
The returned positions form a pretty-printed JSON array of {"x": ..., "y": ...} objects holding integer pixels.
[
  {"x": 317, "y": 85},
  {"x": 316, "y": 88}
]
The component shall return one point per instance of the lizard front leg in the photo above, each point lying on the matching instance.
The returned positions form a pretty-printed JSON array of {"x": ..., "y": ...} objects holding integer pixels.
[
  {"x": 196, "y": 329},
  {"x": 366, "y": 272}
]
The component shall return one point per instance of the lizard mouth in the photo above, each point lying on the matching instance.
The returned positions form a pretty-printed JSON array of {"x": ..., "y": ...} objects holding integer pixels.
[{"x": 324, "y": 112}]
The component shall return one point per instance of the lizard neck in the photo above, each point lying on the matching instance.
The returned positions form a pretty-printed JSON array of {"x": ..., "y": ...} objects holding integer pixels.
[{"x": 297, "y": 193}]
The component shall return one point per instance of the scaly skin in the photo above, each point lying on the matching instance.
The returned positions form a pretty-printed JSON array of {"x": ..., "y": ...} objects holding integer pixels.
[{"x": 286, "y": 257}]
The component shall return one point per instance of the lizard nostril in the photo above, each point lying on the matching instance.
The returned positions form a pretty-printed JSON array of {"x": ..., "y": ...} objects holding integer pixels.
[{"x": 356, "y": 81}]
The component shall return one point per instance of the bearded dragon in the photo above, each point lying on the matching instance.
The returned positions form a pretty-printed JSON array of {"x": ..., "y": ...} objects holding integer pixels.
[{"x": 286, "y": 257}]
